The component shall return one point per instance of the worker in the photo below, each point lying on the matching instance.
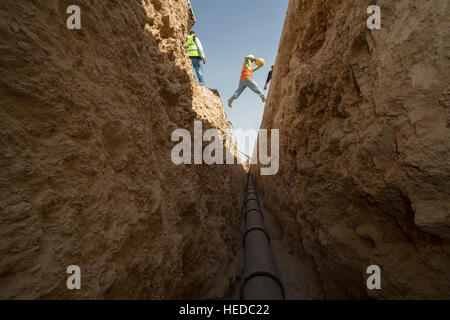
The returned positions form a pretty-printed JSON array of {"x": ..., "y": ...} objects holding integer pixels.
[
  {"x": 247, "y": 80},
  {"x": 197, "y": 55},
  {"x": 269, "y": 77}
]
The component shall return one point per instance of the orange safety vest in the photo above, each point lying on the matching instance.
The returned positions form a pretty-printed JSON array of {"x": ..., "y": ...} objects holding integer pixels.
[{"x": 246, "y": 72}]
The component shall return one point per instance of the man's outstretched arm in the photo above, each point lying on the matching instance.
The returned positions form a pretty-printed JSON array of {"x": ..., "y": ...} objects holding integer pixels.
[{"x": 200, "y": 49}]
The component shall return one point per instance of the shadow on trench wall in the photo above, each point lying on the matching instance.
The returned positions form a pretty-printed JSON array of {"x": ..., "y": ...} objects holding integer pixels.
[{"x": 86, "y": 179}]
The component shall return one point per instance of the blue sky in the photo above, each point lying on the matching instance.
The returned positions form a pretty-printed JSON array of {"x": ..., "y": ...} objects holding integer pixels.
[{"x": 229, "y": 30}]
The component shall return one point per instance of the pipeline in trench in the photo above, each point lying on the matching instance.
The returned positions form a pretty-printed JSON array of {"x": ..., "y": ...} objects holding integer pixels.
[{"x": 260, "y": 277}]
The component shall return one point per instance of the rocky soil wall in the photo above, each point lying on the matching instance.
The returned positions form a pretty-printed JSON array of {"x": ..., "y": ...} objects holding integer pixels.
[
  {"x": 86, "y": 176},
  {"x": 365, "y": 144}
]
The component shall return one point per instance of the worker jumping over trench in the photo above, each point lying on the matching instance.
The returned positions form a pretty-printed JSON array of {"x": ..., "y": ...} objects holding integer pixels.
[{"x": 246, "y": 79}]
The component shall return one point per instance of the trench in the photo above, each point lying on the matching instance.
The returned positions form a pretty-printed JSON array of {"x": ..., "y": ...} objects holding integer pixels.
[{"x": 87, "y": 178}]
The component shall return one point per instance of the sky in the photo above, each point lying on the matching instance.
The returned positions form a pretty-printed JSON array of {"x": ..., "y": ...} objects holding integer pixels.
[{"x": 229, "y": 30}]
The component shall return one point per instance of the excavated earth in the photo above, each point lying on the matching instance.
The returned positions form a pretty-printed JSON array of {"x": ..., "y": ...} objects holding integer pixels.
[
  {"x": 364, "y": 124},
  {"x": 86, "y": 176}
]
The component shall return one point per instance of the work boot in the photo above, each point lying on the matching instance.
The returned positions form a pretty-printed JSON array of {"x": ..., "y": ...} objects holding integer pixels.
[
  {"x": 264, "y": 99},
  {"x": 230, "y": 102}
]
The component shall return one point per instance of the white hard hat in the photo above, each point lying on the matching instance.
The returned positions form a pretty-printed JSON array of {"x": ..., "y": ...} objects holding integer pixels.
[{"x": 250, "y": 56}]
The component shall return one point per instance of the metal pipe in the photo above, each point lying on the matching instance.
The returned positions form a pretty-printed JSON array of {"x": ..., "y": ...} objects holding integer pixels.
[{"x": 260, "y": 280}]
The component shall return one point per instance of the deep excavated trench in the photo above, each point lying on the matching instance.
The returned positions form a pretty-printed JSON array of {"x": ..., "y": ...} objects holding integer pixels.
[{"x": 86, "y": 178}]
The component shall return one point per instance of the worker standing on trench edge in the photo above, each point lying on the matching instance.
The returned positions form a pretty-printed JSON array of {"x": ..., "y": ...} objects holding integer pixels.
[
  {"x": 246, "y": 80},
  {"x": 197, "y": 55},
  {"x": 269, "y": 77}
]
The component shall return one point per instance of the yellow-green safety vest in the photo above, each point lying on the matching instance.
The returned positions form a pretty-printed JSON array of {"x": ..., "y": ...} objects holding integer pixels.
[{"x": 192, "y": 47}]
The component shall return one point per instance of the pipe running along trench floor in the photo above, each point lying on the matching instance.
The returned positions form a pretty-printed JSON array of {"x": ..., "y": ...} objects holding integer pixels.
[{"x": 298, "y": 273}]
